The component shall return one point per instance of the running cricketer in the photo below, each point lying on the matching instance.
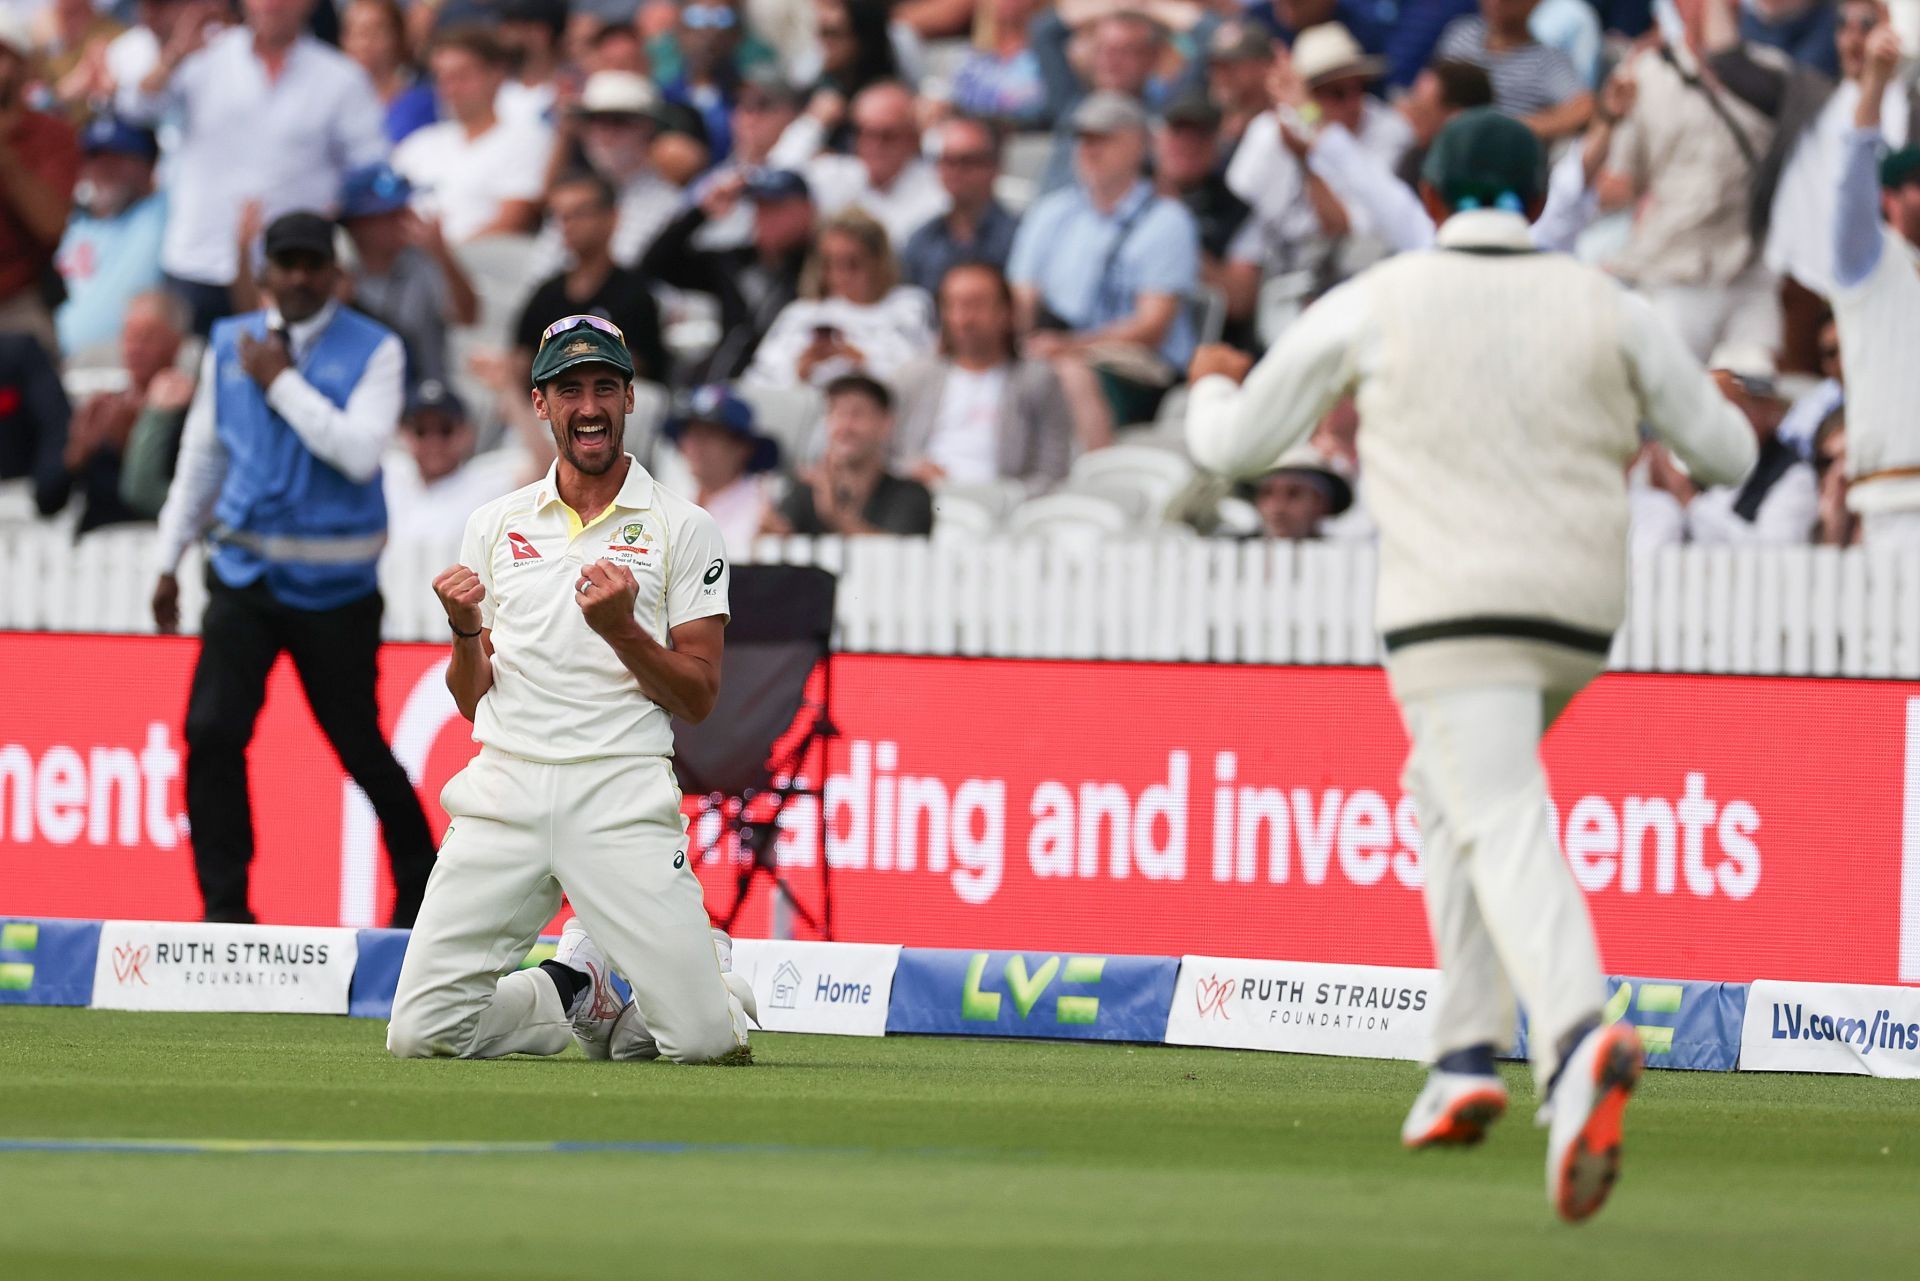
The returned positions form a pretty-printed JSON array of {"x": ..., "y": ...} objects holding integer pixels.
[
  {"x": 587, "y": 610},
  {"x": 1499, "y": 392}
]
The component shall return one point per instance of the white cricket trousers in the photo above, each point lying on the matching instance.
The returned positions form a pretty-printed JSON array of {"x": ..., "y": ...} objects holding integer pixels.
[
  {"x": 1505, "y": 912},
  {"x": 610, "y": 834}
]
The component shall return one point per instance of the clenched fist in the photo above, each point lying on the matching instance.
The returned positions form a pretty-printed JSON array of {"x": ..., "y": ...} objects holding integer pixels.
[
  {"x": 606, "y": 593},
  {"x": 461, "y": 591}
]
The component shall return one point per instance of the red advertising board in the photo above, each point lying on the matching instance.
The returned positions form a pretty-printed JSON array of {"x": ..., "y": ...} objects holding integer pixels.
[{"x": 1724, "y": 828}]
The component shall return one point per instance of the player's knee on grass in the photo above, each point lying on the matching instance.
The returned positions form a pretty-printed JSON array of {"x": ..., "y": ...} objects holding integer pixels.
[{"x": 409, "y": 1039}]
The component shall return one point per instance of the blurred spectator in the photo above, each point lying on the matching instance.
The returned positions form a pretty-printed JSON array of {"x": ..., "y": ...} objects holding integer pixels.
[
  {"x": 975, "y": 228},
  {"x": 979, "y": 411},
  {"x": 884, "y": 176},
  {"x": 1800, "y": 238},
  {"x": 619, "y": 114},
  {"x": 111, "y": 250},
  {"x": 1689, "y": 150},
  {"x": 1125, "y": 52},
  {"x": 1838, "y": 525},
  {"x": 1103, "y": 273},
  {"x": 856, "y": 52},
  {"x": 1532, "y": 81},
  {"x": 1184, "y": 169},
  {"x": 729, "y": 462},
  {"x": 680, "y": 151},
  {"x": 153, "y": 447},
  {"x": 1572, "y": 27},
  {"x": 1876, "y": 305},
  {"x": 374, "y": 34},
  {"x": 616, "y": 46},
  {"x": 1239, "y": 56},
  {"x": 1002, "y": 82},
  {"x": 1439, "y": 93},
  {"x": 74, "y": 55},
  {"x": 39, "y": 162},
  {"x": 1302, "y": 491},
  {"x": 709, "y": 35},
  {"x": 1801, "y": 29},
  {"x": 33, "y": 421},
  {"x": 582, "y": 206},
  {"x": 130, "y": 55},
  {"x": 266, "y": 113},
  {"x": 1819, "y": 402},
  {"x": 852, "y": 313},
  {"x": 477, "y": 172},
  {"x": 434, "y": 480},
  {"x": 1368, "y": 20},
  {"x": 765, "y": 107},
  {"x": 851, "y": 491},
  {"x": 406, "y": 278},
  {"x": 754, "y": 283},
  {"x": 280, "y": 463},
  {"x": 1778, "y": 503},
  {"x": 157, "y": 323},
  {"x": 529, "y": 33}
]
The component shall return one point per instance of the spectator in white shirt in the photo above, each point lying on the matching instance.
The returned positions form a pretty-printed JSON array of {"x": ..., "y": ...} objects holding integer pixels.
[
  {"x": 729, "y": 462},
  {"x": 479, "y": 174},
  {"x": 615, "y": 123},
  {"x": 529, "y": 32},
  {"x": 1779, "y": 502},
  {"x": 852, "y": 315},
  {"x": 269, "y": 114},
  {"x": 434, "y": 481},
  {"x": 885, "y": 175}
]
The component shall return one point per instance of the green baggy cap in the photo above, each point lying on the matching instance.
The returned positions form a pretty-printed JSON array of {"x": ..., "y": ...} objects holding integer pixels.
[
  {"x": 585, "y": 342},
  {"x": 1486, "y": 160}
]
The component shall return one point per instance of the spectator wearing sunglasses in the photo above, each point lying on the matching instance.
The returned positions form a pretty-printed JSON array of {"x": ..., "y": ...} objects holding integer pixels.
[
  {"x": 433, "y": 479},
  {"x": 976, "y": 228},
  {"x": 583, "y": 206},
  {"x": 701, "y": 62}
]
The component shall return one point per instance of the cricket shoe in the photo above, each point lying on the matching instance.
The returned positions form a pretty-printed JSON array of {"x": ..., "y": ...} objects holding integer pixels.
[
  {"x": 1455, "y": 1109},
  {"x": 1585, "y": 1113},
  {"x": 597, "y": 1006}
]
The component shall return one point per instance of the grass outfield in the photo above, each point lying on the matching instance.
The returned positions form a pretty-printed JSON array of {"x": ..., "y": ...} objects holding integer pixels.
[{"x": 905, "y": 1157}]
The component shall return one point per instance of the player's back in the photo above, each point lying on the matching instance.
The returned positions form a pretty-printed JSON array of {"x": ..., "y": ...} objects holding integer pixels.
[{"x": 1498, "y": 412}]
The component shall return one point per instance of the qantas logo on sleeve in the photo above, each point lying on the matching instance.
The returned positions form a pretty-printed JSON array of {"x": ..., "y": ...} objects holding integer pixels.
[{"x": 522, "y": 549}]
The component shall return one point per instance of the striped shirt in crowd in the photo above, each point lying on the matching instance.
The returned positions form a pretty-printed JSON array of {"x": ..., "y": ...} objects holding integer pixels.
[{"x": 1526, "y": 81}]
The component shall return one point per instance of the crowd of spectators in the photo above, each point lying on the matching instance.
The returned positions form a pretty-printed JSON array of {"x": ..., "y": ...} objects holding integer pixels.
[{"x": 874, "y": 252}]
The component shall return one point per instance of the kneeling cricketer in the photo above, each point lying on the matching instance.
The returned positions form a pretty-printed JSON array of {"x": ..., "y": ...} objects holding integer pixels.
[{"x": 587, "y": 610}]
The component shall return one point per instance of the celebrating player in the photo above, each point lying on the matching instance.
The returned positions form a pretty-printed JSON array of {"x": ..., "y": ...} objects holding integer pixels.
[
  {"x": 587, "y": 610},
  {"x": 1499, "y": 392}
]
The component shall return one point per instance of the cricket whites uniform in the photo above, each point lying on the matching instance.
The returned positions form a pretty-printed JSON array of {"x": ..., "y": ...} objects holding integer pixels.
[
  {"x": 1499, "y": 391},
  {"x": 572, "y": 790}
]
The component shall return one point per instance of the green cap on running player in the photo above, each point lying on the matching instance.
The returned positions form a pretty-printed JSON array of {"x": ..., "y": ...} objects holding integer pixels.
[
  {"x": 580, "y": 340},
  {"x": 1486, "y": 160}
]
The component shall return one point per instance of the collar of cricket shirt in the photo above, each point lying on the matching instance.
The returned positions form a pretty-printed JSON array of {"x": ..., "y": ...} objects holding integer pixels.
[
  {"x": 301, "y": 334},
  {"x": 1486, "y": 231},
  {"x": 636, "y": 491}
]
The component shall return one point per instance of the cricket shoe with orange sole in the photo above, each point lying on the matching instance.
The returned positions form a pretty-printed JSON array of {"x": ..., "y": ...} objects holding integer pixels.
[
  {"x": 1455, "y": 1109},
  {"x": 1585, "y": 1115}
]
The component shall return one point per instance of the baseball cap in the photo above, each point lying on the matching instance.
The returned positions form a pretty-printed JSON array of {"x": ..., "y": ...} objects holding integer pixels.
[
  {"x": 1485, "y": 160},
  {"x": 1192, "y": 108},
  {"x": 716, "y": 405},
  {"x": 372, "y": 190},
  {"x": 431, "y": 395},
  {"x": 618, "y": 93},
  {"x": 777, "y": 184},
  {"x": 108, "y": 135},
  {"x": 1238, "y": 41},
  {"x": 300, "y": 232},
  {"x": 1898, "y": 168},
  {"x": 580, "y": 340},
  {"x": 1108, "y": 112}
]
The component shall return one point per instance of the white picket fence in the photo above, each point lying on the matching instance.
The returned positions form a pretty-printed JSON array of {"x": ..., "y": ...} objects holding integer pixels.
[{"x": 1160, "y": 597}]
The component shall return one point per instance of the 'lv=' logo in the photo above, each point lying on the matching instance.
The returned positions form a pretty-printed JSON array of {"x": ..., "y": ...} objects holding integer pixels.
[{"x": 1025, "y": 987}]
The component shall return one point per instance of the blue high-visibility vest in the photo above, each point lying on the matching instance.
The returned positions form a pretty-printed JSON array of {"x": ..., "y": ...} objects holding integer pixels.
[{"x": 278, "y": 489}]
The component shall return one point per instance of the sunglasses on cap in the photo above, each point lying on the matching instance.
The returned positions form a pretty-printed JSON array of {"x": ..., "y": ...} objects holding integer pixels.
[
  {"x": 709, "y": 17},
  {"x": 571, "y": 323}
]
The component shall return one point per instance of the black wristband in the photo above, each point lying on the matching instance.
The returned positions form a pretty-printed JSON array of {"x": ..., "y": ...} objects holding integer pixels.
[{"x": 464, "y": 635}]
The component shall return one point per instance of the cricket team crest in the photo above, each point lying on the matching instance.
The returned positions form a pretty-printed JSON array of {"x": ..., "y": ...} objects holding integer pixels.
[{"x": 631, "y": 540}]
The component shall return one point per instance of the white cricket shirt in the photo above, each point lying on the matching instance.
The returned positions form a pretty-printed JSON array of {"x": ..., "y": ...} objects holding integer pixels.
[{"x": 559, "y": 691}]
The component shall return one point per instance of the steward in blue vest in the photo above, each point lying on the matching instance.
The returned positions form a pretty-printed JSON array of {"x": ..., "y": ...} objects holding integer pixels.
[{"x": 280, "y": 469}]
